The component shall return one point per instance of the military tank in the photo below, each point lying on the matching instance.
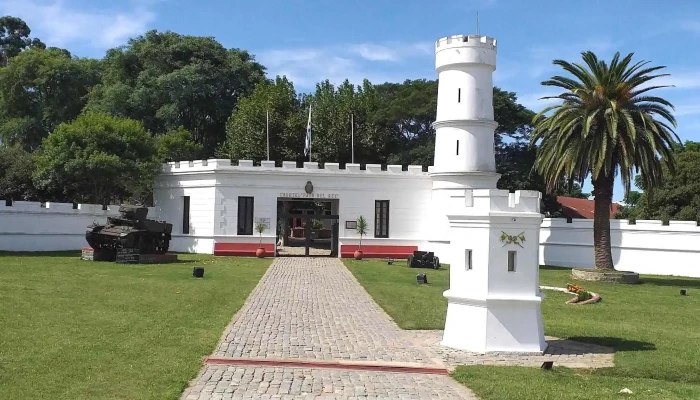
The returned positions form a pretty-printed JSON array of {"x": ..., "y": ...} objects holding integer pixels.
[{"x": 131, "y": 230}]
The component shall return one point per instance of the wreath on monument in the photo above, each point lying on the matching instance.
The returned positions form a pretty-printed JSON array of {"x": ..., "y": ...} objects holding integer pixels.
[{"x": 514, "y": 239}]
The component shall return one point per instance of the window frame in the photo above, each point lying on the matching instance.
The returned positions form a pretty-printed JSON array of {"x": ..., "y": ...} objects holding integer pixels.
[
  {"x": 246, "y": 209},
  {"x": 379, "y": 212}
]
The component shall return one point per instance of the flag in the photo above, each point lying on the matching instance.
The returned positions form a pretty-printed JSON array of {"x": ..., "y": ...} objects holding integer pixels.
[{"x": 307, "y": 145}]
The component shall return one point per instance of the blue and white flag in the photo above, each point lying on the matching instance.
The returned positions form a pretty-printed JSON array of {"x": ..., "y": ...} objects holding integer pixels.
[{"x": 307, "y": 145}]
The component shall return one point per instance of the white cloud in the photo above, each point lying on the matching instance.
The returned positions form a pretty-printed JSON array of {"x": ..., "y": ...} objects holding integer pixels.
[
  {"x": 541, "y": 57},
  {"x": 682, "y": 80},
  {"x": 391, "y": 52},
  {"x": 307, "y": 66},
  {"x": 58, "y": 23},
  {"x": 691, "y": 108}
]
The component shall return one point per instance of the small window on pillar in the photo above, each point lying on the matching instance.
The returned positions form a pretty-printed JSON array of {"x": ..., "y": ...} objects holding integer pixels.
[
  {"x": 512, "y": 256},
  {"x": 459, "y": 95},
  {"x": 468, "y": 260},
  {"x": 458, "y": 147}
]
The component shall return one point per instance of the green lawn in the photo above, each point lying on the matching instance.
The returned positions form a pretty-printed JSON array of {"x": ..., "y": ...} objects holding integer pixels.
[
  {"x": 73, "y": 329},
  {"x": 655, "y": 331}
]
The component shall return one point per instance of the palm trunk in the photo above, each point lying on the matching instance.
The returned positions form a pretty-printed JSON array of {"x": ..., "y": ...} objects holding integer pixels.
[{"x": 603, "y": 191}]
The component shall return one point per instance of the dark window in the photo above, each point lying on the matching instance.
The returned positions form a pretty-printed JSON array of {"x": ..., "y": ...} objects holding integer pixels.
[
  {"x": 381, "y": 218},
  {"x": 468, "y": 259},
  {"x": 512, "y": 260},
  {"x": 459, "y": 95},
  {"x": 8, "y": 202},
  {"x": 458, "y": 147},
  {"x": 185, "y": 215},
  {"x": 245, "y": 215}
]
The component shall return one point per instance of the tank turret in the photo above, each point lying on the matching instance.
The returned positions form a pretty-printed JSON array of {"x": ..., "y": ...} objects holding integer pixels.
[{"x": 131, "y": 229}]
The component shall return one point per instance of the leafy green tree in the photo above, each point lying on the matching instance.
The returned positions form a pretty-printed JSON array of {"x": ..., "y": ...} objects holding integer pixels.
[
  {"x": 16, "y": 168},
  {"x": 605, "y": 126},
  {"x": 178, "y": 145},
  {"x": 40, "y": 89},
  {"x": 14, "y": 37},
  {"x": 167, "y": 80},
  {"x": 246, "y": 136},
  {"x": 333, "y": 110},
  {"x": 98, "y": 158},
  {"x": 677, "y": 198}
]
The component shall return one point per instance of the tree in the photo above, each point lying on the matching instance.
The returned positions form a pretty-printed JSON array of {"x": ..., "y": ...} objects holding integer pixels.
[
  {"x": 178, "y": 145},
  {"x": 605, "y": 126},
  {"x": 16, "y": 168},
  {"x": 246, "y": 128},
  {"x": 97, "y": 158},
  {"x": 14, "y": 37},
  {"x": 167, "y": 80},
  {"x": 40, "y": 89},
  {"x": 331, "y": 119},
  {"x": 677, "y": 198}
]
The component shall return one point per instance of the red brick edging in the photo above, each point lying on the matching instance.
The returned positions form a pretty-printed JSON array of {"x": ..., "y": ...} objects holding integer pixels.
[{"x": 351, "y": 365}]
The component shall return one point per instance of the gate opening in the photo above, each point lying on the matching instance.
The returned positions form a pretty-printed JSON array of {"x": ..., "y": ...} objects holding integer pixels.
[{"x": 307, "y": 228}]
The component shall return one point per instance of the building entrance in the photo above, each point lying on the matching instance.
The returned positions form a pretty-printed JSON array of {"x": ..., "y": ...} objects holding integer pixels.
[{"x": 307, "y": 228}]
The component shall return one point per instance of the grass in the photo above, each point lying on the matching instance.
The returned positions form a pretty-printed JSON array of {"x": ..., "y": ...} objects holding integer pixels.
[
  {"x": 73, "y": 329},
  {"x": 655, "y": 331}
]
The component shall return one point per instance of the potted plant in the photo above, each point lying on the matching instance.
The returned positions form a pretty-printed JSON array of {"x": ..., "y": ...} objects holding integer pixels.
[
  {"x": 362, "y": 230},
  {"x": 260, "y": 228}
]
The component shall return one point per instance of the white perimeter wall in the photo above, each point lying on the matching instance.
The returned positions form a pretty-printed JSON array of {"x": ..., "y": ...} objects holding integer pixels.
[
  {"x": 29, "y": 226},
  {"x": 647, "y": 247}
]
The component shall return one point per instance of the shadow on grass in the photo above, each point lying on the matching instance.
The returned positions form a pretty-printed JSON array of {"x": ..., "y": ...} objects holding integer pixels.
[
  {"x": 617, "y": 343},
  {"x": 670, "y": 281},
  {"x": 553, "y": 268}
]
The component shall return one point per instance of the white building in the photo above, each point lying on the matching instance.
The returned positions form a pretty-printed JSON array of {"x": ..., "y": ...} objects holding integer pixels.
[{"x": 489, "y": 237}]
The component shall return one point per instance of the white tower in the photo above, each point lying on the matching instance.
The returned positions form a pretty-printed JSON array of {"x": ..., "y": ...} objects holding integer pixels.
[{"x": 494, "y": 298}]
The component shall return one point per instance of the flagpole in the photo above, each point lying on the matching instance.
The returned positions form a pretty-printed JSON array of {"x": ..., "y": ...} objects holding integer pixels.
[
  {"x": 267, "y": 124},
  {"x": 352, "y": 130}
]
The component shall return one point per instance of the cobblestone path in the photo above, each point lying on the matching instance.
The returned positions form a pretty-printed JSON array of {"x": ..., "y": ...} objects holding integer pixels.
[{"x": 314, "y": 309}]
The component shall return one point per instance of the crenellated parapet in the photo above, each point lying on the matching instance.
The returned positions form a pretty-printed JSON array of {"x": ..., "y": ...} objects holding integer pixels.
[
  {"x": 48, "y": 208},
  {"x": 247, "y": 166},
  {"x": 623, "y": 224},
  {"x": 454, "y": 41},
  {"x": 488, "y": 201}
]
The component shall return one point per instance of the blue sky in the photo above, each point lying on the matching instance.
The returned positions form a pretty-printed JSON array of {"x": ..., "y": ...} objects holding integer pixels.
[{"x": 388, "y": 40}]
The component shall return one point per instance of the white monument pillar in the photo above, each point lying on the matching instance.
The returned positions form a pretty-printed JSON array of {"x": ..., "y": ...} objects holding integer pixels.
[{"x": 494, "y": 298}]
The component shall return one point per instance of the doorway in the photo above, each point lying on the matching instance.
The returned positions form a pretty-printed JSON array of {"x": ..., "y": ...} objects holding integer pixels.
[{"x": 307, "y": 228}]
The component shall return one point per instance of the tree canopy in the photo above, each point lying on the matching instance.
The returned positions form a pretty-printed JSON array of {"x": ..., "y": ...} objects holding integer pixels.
[
  {"x": 14, "y": 37},
  {"x": 97, "y": 158},
  {"x": 677, "y": 198},
  {"x": 39, "y": 89},
  {"x": 167, "y": 80}
]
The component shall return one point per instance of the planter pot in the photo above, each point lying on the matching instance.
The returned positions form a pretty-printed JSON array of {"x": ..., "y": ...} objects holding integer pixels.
[
  {"x": 358, "y": 254},
  {"x": 260, "y": 252}
]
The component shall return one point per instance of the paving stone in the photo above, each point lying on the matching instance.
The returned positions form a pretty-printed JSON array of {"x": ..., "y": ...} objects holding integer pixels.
[
  {"x": 343, "y": 385},
  {"x": 313, "y": 308}
]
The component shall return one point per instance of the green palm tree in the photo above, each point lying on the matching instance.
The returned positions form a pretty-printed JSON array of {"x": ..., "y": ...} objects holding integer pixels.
[{"x": 604, "y": 126}]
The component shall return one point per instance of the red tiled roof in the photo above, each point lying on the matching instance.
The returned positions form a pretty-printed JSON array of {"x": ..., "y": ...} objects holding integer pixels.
[{"x": 581, "y": 208}]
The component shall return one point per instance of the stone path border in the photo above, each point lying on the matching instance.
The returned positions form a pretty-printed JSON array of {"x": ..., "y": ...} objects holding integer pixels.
[{"x": 566, "y": 353}]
